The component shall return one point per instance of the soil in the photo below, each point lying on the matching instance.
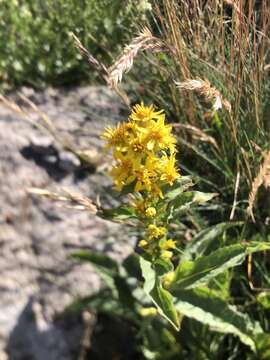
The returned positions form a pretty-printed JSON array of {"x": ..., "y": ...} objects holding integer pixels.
[{"x": 38, "y": 278}]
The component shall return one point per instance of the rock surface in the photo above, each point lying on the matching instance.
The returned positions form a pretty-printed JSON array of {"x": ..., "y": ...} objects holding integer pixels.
[{"x": 38, "y": 280}]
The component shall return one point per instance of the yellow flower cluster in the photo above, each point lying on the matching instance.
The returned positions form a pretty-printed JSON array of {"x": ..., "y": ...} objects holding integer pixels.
[
  {"x": 144, "y": 150},
  {"x": 156, "y": 241}
]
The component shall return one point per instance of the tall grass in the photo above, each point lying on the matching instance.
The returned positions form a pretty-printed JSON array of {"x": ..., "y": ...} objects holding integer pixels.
[
  {"x": 207, "y": 65},
  {"x": 225, "y": 46}
]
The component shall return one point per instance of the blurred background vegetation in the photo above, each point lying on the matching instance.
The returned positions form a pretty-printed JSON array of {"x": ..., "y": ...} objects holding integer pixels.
[{"x": 36, "y": 47}]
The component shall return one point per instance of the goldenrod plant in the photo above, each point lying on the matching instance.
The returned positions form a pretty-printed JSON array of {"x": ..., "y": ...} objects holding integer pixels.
[
  {"x": 190, "y": 185},
  {"x": 144, "y": 151},
  {"x": 175, "y": 272},
  {"x": 181, "y": 278}
]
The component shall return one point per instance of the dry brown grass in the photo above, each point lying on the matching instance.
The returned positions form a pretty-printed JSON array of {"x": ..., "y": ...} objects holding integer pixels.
[
  {"x": 69, "y": 199},
  {"x": 262, "y": 178},
  {"x": 144, "y": 41},
  {"x": 204, "y": 88}
]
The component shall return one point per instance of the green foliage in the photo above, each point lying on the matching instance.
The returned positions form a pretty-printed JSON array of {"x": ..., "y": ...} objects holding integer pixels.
[
  {"x": 194, "y": 285},
  {"x": 36, "y": 47},
  {"x": 202, "y": 305}
]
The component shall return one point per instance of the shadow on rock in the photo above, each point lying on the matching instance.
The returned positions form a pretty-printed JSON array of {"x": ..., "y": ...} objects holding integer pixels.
[{"x": 37, "y": 337}]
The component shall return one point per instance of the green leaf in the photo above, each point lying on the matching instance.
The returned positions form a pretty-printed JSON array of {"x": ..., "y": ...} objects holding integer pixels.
[
  {"x": 221, "y": 285},
  {"x": 181, "y": 185},
  {"x": 201, "y": 197},
  {"x": 159, "y": 296},
  {"x": 164, "y": 302},
  {"x": 163, "y": 266},
  {"x": 203, "y": 306},
  {"x": 148, "y": 274},
  {"x": 190, "y": 274},
  {"x": 124, "y": 292},
  {"x": 95, "y": 301},
  {"x": 131, "y": 264},
  {"x": 203, "y": 239},
  {"x": 106, "y": 267},
  {"x": 119, "y": 214},
  {"x": 186, "y": 200},
  {"x": 264, "y": 299},
  {"x": 100, "y": 261},
  {"x": 109, "y": 271}
]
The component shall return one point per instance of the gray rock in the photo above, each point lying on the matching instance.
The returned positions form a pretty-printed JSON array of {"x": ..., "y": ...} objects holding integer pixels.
[{"x": 38, "y": 278}]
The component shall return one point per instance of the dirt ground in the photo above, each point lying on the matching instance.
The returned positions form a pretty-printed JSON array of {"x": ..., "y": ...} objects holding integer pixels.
[{"x": 38, "y": 279}]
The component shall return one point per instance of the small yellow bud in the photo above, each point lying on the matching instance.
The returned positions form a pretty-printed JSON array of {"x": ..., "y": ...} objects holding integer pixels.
[
  {"x": 151, "y": 311},
  {"x": 150, "y": 212},
  {"x": 166, "y": 254},
  {"x": 143, "y": 243},
  {"x": 155, "y": 232},
  {"x": 168, "y": 279}
]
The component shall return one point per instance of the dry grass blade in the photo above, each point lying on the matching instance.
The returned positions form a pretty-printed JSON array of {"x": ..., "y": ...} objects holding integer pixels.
[
  {"x": 17, "y": 109},
  {"x": 204, "y": 88},
  {"x": 73, "y": 200},
  {"x": 236, "y": 188},
  {"x": 197, "y": 133},
  {"x": 100, "y": 67},
  {"x": 145, "y": 40},
  {"x": 47, "y": 121},
  {"x": 261, "y": 178},
  {"x": 45, "y": 125}
]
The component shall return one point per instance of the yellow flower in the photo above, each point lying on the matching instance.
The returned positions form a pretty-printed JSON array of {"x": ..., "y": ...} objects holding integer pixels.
[
  {"x": 169, "y": 244},
  {"x": 115, "y": 137},
  {"x": 144, "y": 150},
  {"x": 169, "y": 171},
  {"x": 144, "y": 113},
  {"x": 139, "y": 205},
  {"x": 150, "y": 212},
  {"x": 143, "y": 243},
  {"x": 155, "y": 232},
  {"x": 137, "y": 146},
  {"x": 159, "y": 136},
  {"x": 156, "y": 191},
  {"x": 122, "y": 171},
  {"x": 144, "y": 179}
]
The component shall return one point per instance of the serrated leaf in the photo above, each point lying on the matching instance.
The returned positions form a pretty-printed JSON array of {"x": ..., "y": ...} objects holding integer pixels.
[{"x": 203, "y": 306}]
